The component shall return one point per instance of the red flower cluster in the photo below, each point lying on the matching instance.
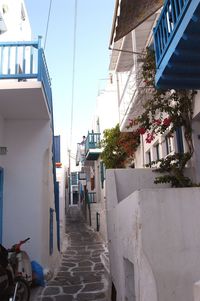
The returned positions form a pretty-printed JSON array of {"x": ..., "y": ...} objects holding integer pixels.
[
  {"x": 157, "y": 121},
  {"x": 142, "y": 131},
  {"x": 149, "y": 137},
  {"x": 167, "y": 121}
]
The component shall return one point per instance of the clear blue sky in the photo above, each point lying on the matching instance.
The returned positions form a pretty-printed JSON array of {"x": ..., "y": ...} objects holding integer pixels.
[{"x": 94, "y": 21}]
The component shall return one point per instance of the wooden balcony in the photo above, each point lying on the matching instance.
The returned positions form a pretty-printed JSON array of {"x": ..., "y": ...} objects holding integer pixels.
[
  {"x": 25, "y": 85},
  {"x": 92, "y": 146},
  {"x": 177, "y": 45}
]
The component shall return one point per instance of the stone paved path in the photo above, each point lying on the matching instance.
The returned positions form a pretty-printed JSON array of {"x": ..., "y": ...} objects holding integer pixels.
[{"x": 81, "y": 276}]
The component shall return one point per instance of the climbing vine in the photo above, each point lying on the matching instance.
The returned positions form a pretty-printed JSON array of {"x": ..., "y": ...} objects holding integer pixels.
[{"x": 163, "y": 113}]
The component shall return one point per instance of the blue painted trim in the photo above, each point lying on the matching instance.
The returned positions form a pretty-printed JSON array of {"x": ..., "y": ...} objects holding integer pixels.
[
  {"x": 179, "y": 139},
  {"x": 18, "y": 44},
  {"x": 1, "y": 203},
  {"x": 16, "y": 61},
  {"x": 51, "y": 211},
  {"x": 167, "y": 145},
  {"x": 9, "y": 60},
  {"x": 92, "y": 141},
  {"x": 57, "y": 148},
  {"x": 57, "y": 207},
  {"x": 172, "y": 51},
  {"x": 23, "y": 69},
  {"x": 24, "y": 61},
  {"x": 31, "y": 61},
  {"x": 91, "y": 197},
  {"x": 18, "y": 76},
  {"x": 164, "y": 24}
]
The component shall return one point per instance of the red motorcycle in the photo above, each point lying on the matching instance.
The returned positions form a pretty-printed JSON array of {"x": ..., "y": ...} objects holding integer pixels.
[{"x": 15, "y": 273}]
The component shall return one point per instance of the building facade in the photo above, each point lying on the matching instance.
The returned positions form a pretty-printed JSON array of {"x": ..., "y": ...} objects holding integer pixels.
[
  {"x": 89, "y": 159},
  {"x": 151, "y": 227},
  {"x": 27, "y": 166}
]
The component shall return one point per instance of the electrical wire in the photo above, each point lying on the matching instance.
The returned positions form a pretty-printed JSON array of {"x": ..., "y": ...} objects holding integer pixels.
[
  {"x": 73, "y": 70},
  {"x": 47, "y": 26}
]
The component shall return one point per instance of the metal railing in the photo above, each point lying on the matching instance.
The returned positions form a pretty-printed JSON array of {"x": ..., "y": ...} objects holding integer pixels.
[
  {"x": 24, "y": 61},
  {"x": 171, "y": 16},
  {"x": 92, "y": 197},
  {"x": 92, "y": 141}
]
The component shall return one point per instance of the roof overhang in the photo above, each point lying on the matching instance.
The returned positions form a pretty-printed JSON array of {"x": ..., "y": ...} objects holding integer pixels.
[{"x": 129, "y": 14}]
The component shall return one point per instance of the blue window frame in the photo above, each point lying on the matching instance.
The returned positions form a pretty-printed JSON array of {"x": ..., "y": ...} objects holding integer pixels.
[
  {"x": 169, "y": 145},
  {"x": 179, "y": 139},
  {"x": 148, "y": 157},
  {"x": 57, "y": 214},
  {"x": 157, "y": 151}
]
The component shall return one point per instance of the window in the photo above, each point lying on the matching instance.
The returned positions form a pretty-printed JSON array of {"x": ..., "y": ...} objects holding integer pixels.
[
  {"x": 179, "y": 140},
  {"x": 169, "y": 144},
  {"x": 157, "y": 148},
  {"x": 148, "y": 158}
]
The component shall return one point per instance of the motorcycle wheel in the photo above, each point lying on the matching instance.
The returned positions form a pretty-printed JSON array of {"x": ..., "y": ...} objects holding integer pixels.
[{"x": 23, "y": 290}]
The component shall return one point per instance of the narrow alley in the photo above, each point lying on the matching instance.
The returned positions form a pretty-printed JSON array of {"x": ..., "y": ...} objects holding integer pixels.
[{"x": 82, "y": 276}]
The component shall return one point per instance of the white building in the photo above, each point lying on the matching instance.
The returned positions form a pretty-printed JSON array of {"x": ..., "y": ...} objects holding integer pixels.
[
  {"x": 27, "y": 171},
  {"x": 152, "y": 230},
  {"x": 92, "y": 164}
]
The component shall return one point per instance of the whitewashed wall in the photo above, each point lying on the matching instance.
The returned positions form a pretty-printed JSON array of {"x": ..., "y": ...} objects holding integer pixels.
[
  {"x": 18, "y": 29},
  {"x": 155, "y": 233},
  {"x": 28, "y": 188}
]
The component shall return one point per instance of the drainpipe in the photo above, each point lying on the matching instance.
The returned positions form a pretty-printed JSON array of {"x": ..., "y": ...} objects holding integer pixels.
[
  {"x": 90, "y": 220},
  {"x": 98, "y": 221}
]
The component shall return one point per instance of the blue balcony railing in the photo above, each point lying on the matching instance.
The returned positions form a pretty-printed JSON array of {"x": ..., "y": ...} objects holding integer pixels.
[
  {"x": 92, "y": 197},
  {"x": 167, "y": 25},
  {"x": 92, "y": 146},
  {"x": 23, "y": 61},
  {"x": 92, "y": 141}
]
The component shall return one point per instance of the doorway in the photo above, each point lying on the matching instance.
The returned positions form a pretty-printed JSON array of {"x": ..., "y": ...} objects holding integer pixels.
[{"x": 74, "y": 198}]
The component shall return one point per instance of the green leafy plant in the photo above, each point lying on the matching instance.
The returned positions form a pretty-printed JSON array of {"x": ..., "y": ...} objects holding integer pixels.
[{"x": 118, "y": 147}]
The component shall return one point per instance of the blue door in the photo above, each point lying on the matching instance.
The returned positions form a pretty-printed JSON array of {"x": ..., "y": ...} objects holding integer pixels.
[{"x": 1, "y": 203}]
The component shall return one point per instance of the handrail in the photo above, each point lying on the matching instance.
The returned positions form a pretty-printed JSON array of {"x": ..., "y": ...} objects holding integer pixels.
[
  {"x": 172, "y": 13},
  {"x": 25, "y": 60}
]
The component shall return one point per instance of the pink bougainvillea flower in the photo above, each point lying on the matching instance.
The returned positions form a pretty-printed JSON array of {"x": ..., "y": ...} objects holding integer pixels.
[
  {"x": 142, "y": 130},
  {"x": 167, "y": 121},
  {"x": 149, "y": 138},
  {"x": 157, "y": 121}
]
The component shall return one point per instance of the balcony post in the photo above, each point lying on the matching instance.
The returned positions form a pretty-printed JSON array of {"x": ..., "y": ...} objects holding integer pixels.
[{"x": 39, "y": 58}]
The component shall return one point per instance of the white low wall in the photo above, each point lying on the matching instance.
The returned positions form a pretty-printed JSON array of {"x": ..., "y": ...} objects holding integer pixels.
[
  {"x": 120, "y": 183},
  {"x": 154, "y": 244}
]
